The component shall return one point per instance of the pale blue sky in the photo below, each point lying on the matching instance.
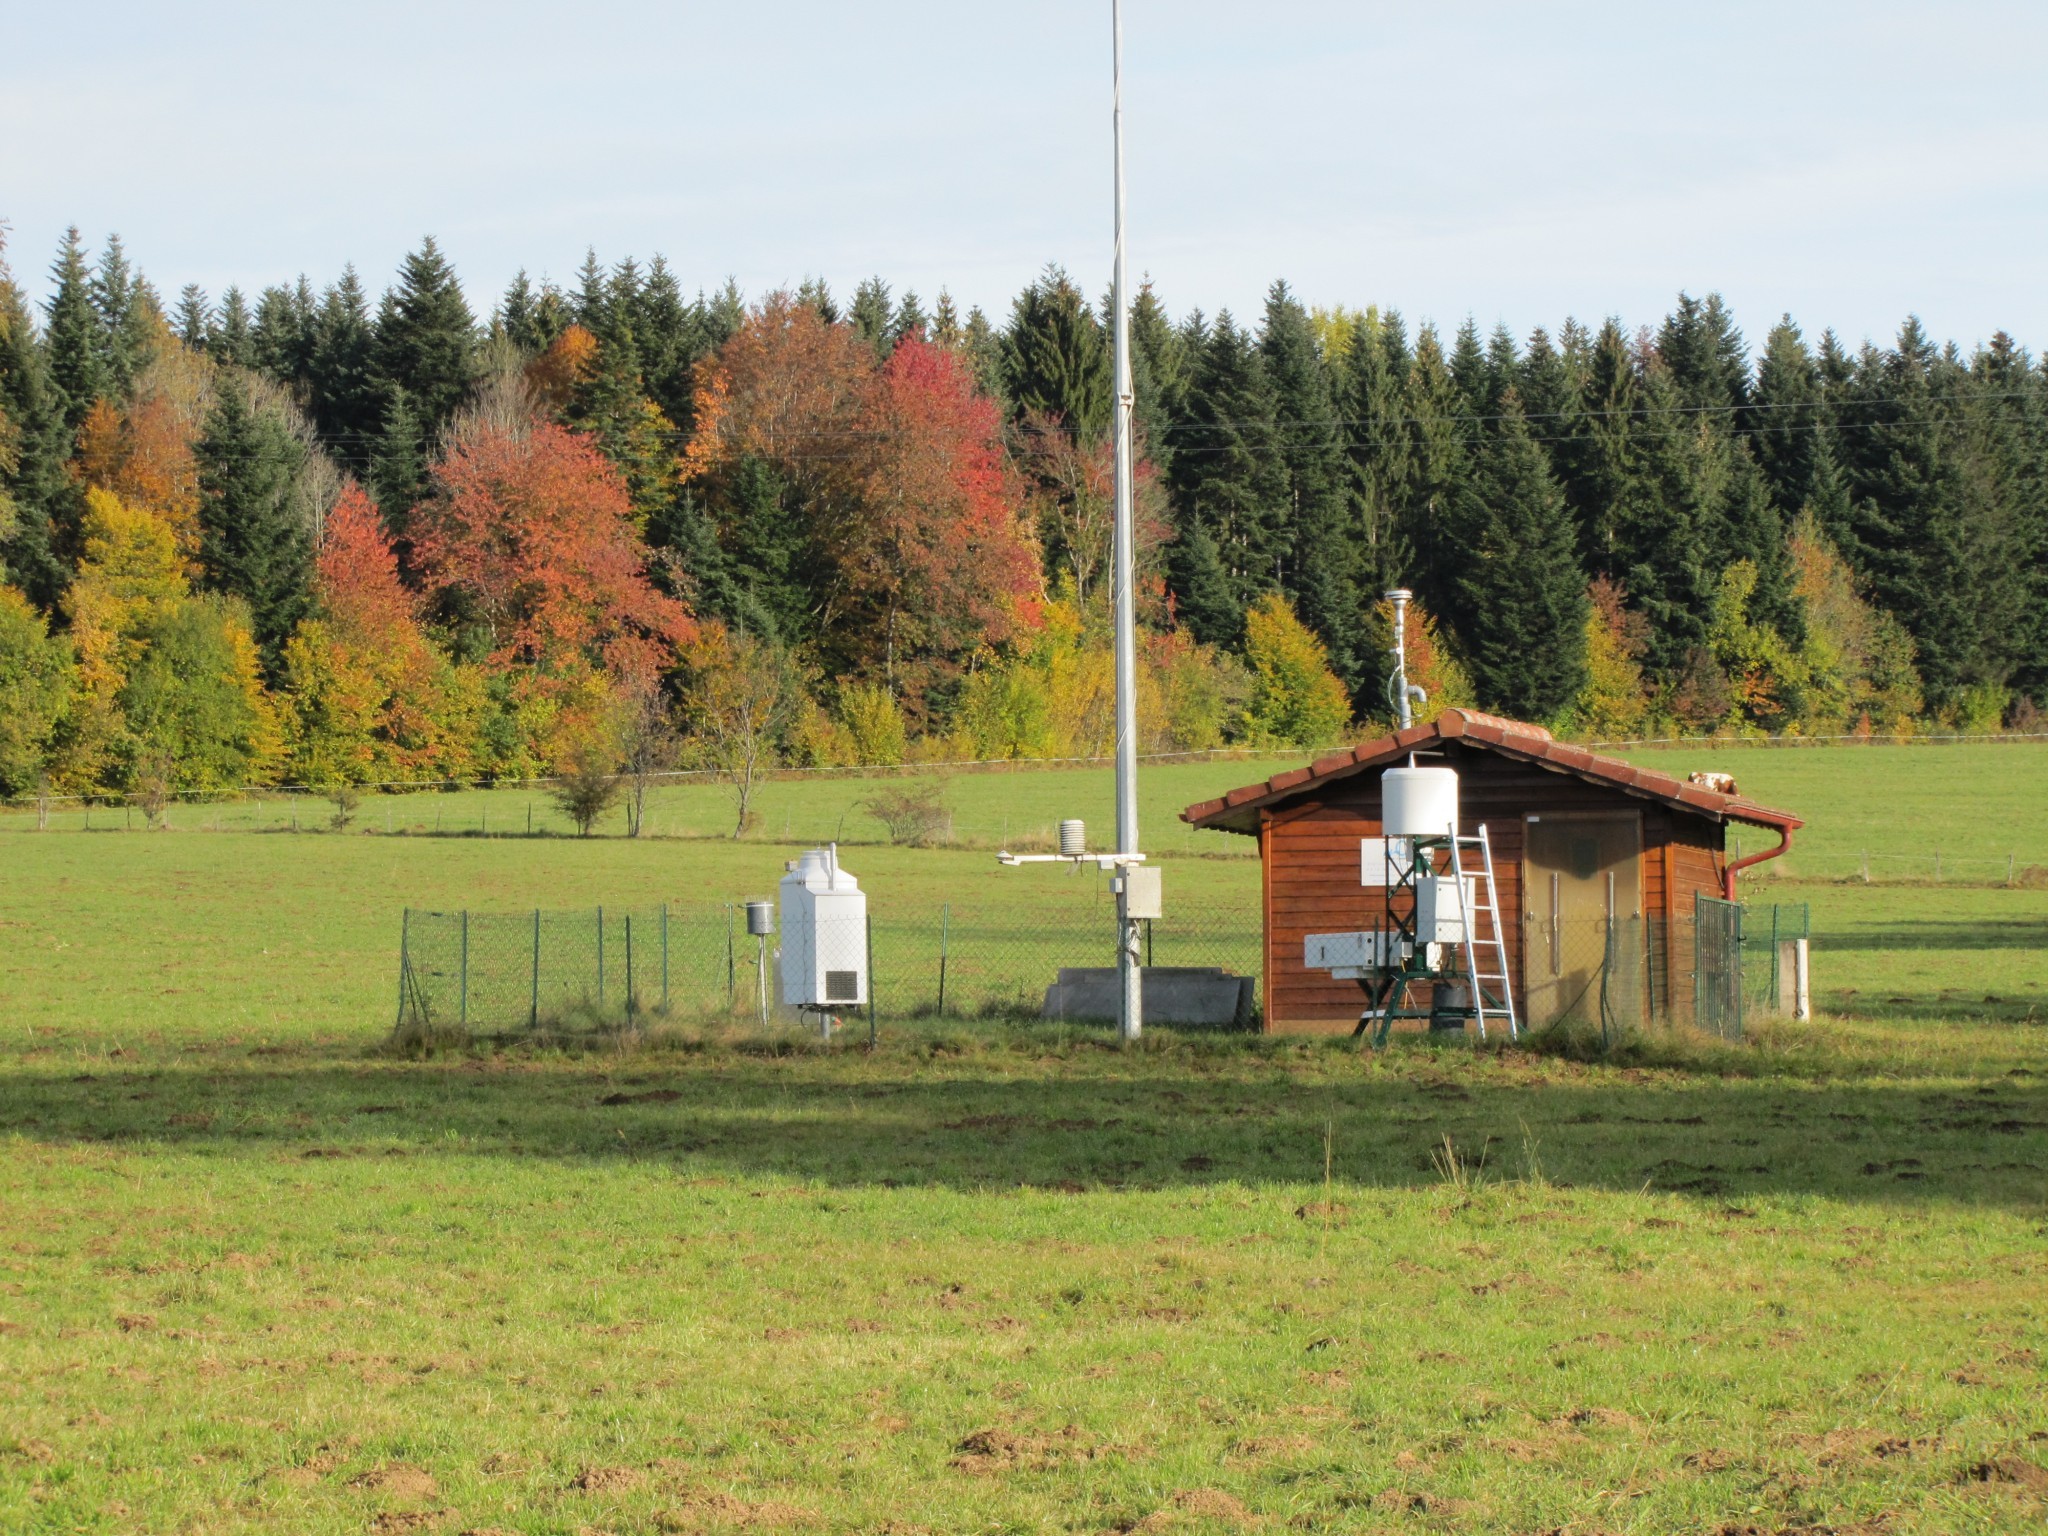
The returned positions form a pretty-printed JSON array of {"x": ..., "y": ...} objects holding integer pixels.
[{"x": 1520, "y": 162}]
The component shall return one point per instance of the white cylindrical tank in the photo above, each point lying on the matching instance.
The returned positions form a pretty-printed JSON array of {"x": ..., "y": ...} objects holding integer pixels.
[
  {"x": 1419, "y": 802},
  {"x": 824, "y": 934}
]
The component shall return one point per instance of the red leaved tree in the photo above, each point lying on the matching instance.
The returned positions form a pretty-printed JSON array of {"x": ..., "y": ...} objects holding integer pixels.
[
  {"x": 357, "y": 573},
  {"x": 940, "y": 560},
  {"x": 530, "y": 533}
]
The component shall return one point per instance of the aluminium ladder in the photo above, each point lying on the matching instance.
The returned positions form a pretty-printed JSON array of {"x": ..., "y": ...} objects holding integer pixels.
[{"x": 1486, "y": 902}]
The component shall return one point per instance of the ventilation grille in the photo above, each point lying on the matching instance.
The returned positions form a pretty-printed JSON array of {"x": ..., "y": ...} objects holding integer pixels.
[{"x": 842, "y": 986}]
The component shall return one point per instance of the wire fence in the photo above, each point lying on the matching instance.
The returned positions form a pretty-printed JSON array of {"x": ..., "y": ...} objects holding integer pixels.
[
  {"x": 1716, "y": 968},
  {"x": 468, "y": 973}
]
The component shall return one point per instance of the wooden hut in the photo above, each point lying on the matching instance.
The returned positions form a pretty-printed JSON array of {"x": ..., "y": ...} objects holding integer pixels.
[{"x": 1598, "y": 865}]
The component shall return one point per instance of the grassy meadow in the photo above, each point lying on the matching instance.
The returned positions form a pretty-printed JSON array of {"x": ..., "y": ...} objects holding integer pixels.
[{"x": 258, "y": 1273}]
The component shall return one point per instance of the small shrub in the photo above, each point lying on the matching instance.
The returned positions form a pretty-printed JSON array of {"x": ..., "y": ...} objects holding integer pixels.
[
  {"x": 914, "y": 812},
  {"x": 586, "y": 786}
]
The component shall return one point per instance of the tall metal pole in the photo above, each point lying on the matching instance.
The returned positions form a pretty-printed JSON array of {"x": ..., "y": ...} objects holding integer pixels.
[{"x": 1130, "y": 1002}]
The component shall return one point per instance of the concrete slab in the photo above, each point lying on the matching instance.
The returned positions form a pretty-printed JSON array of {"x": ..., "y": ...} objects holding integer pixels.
[{"x": 1176, "y": 996}]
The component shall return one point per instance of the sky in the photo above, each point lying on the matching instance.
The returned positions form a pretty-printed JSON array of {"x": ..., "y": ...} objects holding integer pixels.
[{"x": 1517, "y": 163}]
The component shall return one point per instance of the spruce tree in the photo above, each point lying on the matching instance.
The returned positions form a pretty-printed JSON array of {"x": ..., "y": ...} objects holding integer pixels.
[
  {"x": 32, "y": 456},
  {"x": 1441, "y": 514},
  {"x": 229, "y": 340},
  {"x": 398, "y": 463},
  {"x": 128, "y": 313},
  {"x": 1469, "y": 371},
  {"x": 817, "y": 293},
  {"x": 253, "y": 542},
  {"x": 1056, "y": 359},
  {"x": 946, "y": 321},
  {"x": 281, "y": 338},
  {"x": 1320, "y": 567},
  {"x": 426, "y": 340},
  {"x": 1785, "y": 419},
  {"x": 1520, "y": 583},
  {"x": 1159, "y": 376},
  {"x": 343, "y": 394},
  {"x": 194, "y": 319},
  {"x": 1706, "y": 356},
  {"x": 1371, "y": 396},
  {"x": 1598, "y": 459},
  {"x": 1228, "y": 475},
  {"x": 72, "y": 340},
  {"x": 910, "y": 320},
  {"x": 870, "y": 315},
  {"x": 672, "y": 336}
]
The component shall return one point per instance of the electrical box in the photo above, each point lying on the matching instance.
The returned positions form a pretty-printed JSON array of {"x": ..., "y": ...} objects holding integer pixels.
[
  {"x": 1142, "y": 891},
  {"x": 824, "y": 934},
  {"x": 1383, "y": 860},
  {"x": 1442, "y": 907},
  {"x": 1350, "y": 955}
]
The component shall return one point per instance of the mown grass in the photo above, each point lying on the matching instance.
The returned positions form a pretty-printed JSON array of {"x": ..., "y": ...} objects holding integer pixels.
[
  {"x": 970, "y": 1283},
  {"x": 258, "y": 1273}
]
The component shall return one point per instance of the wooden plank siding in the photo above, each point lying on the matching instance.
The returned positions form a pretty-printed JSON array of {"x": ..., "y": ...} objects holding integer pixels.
[{"x": 1311, "y": 875}]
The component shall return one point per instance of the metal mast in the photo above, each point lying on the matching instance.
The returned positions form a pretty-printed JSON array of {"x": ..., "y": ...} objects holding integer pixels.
[{"x": 1130, "y": 1003}]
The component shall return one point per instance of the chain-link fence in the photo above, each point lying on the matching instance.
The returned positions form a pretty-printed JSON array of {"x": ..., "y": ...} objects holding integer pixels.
[
  {"x": 476, "y": 972},
  {"x": 1712, "y": 967}
]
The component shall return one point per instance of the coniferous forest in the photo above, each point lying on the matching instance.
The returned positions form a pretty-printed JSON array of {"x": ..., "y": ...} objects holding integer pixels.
[{"x": 335, "y": 538}]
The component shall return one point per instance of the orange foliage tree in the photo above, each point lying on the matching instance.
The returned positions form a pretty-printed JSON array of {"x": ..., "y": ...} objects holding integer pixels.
[
  {"x": 144, "y": 456},
  {"x": 370, "y": 699},
  {"x": 529, "y": 532}
]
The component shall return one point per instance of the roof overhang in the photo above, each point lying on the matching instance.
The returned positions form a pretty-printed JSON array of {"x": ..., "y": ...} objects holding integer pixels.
[{"x": 1244, "y": 809}]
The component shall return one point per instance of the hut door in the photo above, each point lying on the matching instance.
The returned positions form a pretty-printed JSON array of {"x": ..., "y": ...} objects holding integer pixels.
[{"x": 1582, "y": 917}]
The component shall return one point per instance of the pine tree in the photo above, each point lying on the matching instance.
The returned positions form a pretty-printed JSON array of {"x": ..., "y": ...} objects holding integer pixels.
[
  {"x": 281, "y": 340},
  {"x": 817, "y": 293},
  {"x": 72, "y": 338},
  {"x": 1598, "y": 459},
  {"x": 398, "y": 465},
  {"x": 195, "y": 317},
  {"x": 672, "y": 336},
  {"x": 1707, "y": 358},
  {"x": 1056, "y": 359},
  {"x": 1521, "y": 584},
  {"x": 1469, "y": 372},
  {"x": 1228, "y": 476},
  {"x": 426, "y": 341},
  {"x": 1440, "y": 515},
  {"x": 1785, "y": 419},
  {"x": 343, "y": 392},
  {"x": 946, "y": 321},
  {"x": 910, "y": 320},
  {"x": 870, "y": 314},
  {"x": 128, "y": 318},
  {"x": 33, "y": 451},
  {"x": 1321, "y": 569},
  {"x": 229, "y": 341},
  {"x": 1371, "y": 394},
  {"x": 254, "y": 544},
  {"x": 1159, "y": 377}
]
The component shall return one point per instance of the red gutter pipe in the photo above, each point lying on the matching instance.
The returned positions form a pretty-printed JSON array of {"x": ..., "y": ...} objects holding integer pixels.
[{"x": 1728, "y": 875}]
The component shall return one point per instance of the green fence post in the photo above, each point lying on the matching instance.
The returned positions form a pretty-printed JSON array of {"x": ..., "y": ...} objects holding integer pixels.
[
  {"x": 632, "y": 997},
  {"x": 871, "y": 982},
  {"x": 404, "y": 960},
  {"x": 945, "y": 933},
  {"x": 465, "y": 968},
  {"x": 664, "y": 956},
  {"x": 600, "y": 959},
  {"x": 731, "y": 975}
]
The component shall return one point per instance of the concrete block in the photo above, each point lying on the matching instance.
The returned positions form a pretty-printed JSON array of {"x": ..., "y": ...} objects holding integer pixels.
[{"x": 1176, "y": 996}]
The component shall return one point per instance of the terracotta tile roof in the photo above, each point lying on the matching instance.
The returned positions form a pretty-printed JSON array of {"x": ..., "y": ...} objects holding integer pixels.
[{"x": 1238, "y": 810}]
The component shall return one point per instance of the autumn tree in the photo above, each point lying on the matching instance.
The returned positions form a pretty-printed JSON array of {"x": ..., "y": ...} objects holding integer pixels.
[
  {"x": 740, "y": 696},
  {"x": 939, "y": 561},
  {"x": 529, "y": 538},
  {"x": 1296, "y": 699}
]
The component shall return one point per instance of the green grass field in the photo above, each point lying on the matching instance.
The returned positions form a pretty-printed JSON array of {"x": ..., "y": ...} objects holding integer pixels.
[{"x": 259, "y": 1274}]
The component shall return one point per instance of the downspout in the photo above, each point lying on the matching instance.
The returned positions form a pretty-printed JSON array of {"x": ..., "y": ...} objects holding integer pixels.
[{"x": 1728, "y": 875}]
